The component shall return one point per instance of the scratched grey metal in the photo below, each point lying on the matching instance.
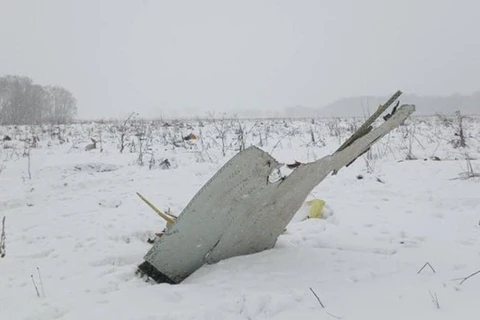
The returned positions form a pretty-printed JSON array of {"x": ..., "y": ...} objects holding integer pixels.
[
  {"x": 199, "y": 227},
  {"x": 270, "y": 211},
  {"x": 238, "y": 213}
]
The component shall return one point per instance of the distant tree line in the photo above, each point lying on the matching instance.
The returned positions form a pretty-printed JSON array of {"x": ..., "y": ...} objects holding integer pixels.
[{"x": 24, "y": 102}]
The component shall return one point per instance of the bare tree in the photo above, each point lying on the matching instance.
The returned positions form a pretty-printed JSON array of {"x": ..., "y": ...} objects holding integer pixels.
[
  {"x": 23, "y": 102},
  {"x": 62, "y": 104},
  {"x": 123, "y": 131},
  {"x": 459, "y": 141},
  {"x": 221, "y": 130}
]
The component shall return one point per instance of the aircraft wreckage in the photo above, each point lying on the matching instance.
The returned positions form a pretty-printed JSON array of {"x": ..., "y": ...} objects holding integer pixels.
[{"x": 239, "y": 211}]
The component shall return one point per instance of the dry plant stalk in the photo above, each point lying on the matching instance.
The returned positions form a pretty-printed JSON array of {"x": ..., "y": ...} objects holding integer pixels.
[{"x": 3, "y": 239}]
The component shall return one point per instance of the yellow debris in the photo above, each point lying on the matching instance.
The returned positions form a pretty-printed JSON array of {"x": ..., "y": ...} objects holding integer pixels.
[
  {"x": 316, "y": 208},
  {"x": 170, "y": 220}
]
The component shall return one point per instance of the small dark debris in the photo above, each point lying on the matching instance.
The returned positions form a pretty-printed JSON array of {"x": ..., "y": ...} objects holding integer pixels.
[
  {"x": 7, "y": 138},
  {"x": 359, "y": 177},
  {"x": 389, "y": 115},
  {"x": 165, "y": 164},
  {"x": 158, "y": 235},
  {"x": 436, "y": 158},
  {"x": 191, "y": 136},
  {"x": 293, "y": 165}
]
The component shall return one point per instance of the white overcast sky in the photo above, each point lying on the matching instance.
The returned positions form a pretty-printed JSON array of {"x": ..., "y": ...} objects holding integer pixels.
[{"x": 154, "y": 56}]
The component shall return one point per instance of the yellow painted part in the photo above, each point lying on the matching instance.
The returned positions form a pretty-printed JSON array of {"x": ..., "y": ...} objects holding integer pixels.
[
  {"x": 167, "y": 218},
  {"x": 316, "y": 208}
]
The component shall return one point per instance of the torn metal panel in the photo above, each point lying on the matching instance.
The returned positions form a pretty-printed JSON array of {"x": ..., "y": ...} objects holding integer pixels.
[
  {"x": 185, "y": 246},
  {"x": 239, "y": 212}
]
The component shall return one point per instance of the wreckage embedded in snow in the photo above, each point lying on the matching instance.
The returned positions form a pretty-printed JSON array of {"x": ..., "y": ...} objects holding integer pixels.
[{"x": 239, "y": 211}]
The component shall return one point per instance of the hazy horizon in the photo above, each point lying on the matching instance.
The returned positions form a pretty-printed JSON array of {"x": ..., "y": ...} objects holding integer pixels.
[{"x": 155, "y": 57}]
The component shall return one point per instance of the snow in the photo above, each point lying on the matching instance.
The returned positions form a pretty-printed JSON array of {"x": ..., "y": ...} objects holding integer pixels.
[{"x": 79, "y": 229}]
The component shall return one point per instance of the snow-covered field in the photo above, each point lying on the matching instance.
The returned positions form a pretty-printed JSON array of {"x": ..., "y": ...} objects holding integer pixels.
[{"x": 75, "y": 226}]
